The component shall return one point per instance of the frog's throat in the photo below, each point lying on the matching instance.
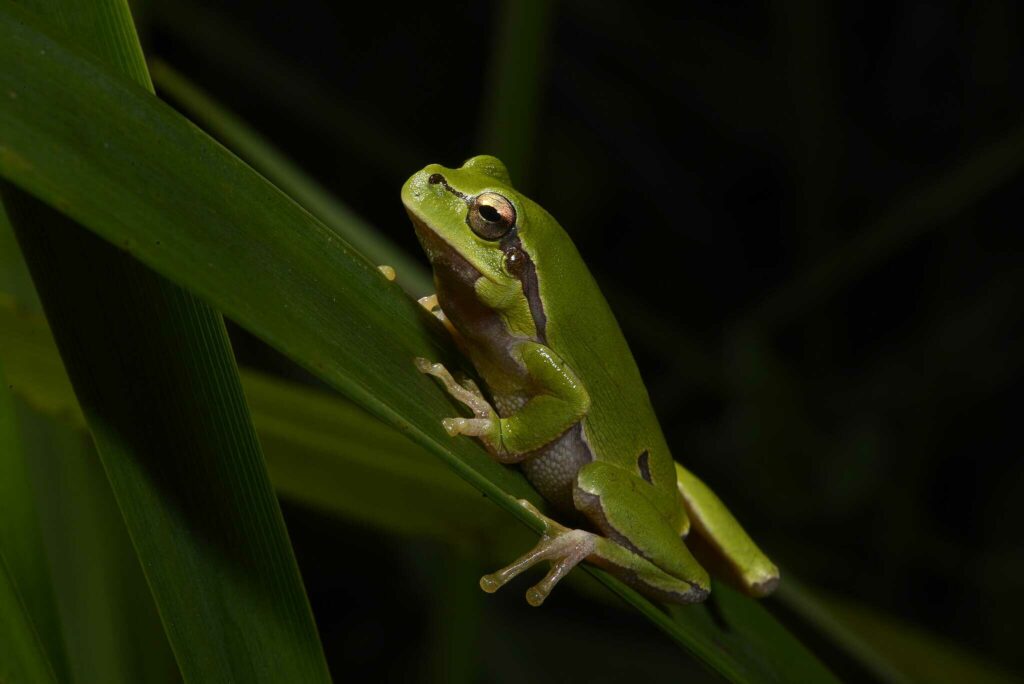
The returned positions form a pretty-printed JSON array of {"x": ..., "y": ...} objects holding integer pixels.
[{"x": 442, "y": 255}]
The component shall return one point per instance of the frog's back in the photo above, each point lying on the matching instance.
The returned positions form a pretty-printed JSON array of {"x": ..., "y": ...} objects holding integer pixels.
[{"x": 621, "y": 426}]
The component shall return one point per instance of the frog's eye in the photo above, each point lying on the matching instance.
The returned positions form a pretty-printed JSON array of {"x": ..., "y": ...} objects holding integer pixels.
[{"x": 491, "y": 216}]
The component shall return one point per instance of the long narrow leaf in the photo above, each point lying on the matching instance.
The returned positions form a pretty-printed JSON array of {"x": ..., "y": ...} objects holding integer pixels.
[
  {"x": 128, "y": 167},
  {"x": 153, "y": 371},
  {"x": 516, "y": 83},
  {"x": 20, "y": 537},
  {"x": 249, "y": 145},
  {"x": 30, "y": 641},
  {"x": 22, "y": 656},
  {"x": 322, "y": 451},
  {"x": 103, "y": 608},
  {"x": 109, "y": 620}
]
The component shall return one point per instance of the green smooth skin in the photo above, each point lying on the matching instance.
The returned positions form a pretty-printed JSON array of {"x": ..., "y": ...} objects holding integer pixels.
[{"x": 553, "y": 359}]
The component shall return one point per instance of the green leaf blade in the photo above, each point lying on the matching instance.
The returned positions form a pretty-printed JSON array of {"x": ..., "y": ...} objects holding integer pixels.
[
  {"x": 154, "y": 374},
  {"x": 22, "y": 655},
  {"x": 20, "y": 537},
  {"x": 31, "y": 648},
  {"x": 249, "y": 145}
]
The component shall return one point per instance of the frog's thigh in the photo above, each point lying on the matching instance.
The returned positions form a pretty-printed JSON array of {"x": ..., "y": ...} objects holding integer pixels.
[{"x": 621, "y": 505}]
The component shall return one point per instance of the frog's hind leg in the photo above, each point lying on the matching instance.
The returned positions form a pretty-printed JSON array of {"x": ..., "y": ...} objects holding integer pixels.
[
  {"x": 565, "y": 548},
  {"x": 651, "y": 555},
  {"x": 721, "y": 543}
]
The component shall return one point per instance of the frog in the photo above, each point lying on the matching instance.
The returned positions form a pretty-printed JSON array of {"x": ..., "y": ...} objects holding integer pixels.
[{"x": 563, "y": 399}]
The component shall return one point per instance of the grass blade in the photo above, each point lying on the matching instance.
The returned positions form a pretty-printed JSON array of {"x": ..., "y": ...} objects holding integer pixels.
[
  {"x": 20, "y": 538},
  {"x": 109, "y": 620},
  {"x": 327, "y": 453},
  {"x": 924, "y": 657},
  {"x": 30, "y": 639},
  {"x": 249, "y": 145},
  {"x": 154, "y": 373},
  {"x": 104, "y": 610},
  {"x": 217, "y": 227},
  {"x": 22, "y": 656},
  {"x": 322, "y": 451},
  {"x": 516, "y": 78}
]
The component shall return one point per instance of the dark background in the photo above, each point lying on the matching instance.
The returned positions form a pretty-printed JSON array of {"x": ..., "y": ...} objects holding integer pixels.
[{"x": 807, "y": 218}]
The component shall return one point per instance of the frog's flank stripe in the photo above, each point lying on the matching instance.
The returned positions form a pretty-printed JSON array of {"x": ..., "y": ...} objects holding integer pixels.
[{"x": 526, "y": 272}]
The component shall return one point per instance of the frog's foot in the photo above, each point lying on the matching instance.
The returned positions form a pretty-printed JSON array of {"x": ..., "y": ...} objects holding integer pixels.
[
  {"x": 431, "y": 304},
  {"x": 563, "y": 547},
  {"x": 388, "y": 272},
  {"x": 469, "y": 394}
]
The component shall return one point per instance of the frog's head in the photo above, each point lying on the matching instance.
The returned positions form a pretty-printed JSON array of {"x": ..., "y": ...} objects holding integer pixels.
[{"x": 470, "y": 222}]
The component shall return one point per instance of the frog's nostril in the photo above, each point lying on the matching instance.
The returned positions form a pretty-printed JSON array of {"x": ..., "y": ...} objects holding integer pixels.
[{"x": 436, "y": 178}]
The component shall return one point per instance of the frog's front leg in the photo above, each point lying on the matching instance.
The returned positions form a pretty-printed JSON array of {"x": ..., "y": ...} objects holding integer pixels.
[
  {"x": 559, "y": 402},
  {"x": 470, "y": 395}
]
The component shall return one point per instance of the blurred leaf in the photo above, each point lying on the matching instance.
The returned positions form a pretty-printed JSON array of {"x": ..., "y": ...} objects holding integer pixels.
[
  {"x": 109, "y": 620},
  {"x": 30, "y": 641},
  {"x": 153, "y": 371},
  {"x": 922, "y": 656},
  {"x": 36, "y": 374},
  {"x": 14, "y": 277},
  {"x": 453, "y": 652},
  {"x": 20, "y": 540},
  {"x": 326, "y": 452},
  {"x": 515, "y": 84},
  {"x": 321, "y": 450},
  {"x": 810, "y": 611},
  {"x": 248, "y": 144},
  {"x": 164, "y": 191},
  {"x": 910, "y": 217},
  {"x": 22, "y": 656},
  {"x": 111, "y": 631}
]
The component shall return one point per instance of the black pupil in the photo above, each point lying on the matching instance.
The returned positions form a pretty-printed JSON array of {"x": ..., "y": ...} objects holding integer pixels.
[{"x": 489, "y": 213}]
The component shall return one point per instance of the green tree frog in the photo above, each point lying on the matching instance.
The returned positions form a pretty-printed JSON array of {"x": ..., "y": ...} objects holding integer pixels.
[{"x": 564, "y": 398}]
